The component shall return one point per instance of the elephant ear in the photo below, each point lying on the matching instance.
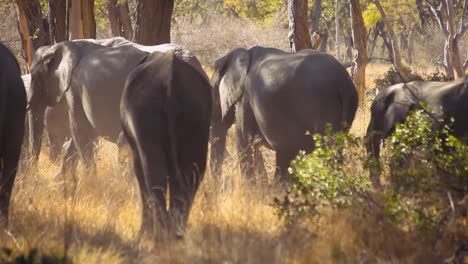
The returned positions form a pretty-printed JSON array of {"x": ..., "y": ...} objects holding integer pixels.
[
  {"x": 228, "y": 78},
  {"x": 60, "y": 61}
]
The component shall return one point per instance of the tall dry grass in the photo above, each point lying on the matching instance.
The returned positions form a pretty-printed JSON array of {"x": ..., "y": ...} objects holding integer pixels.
[{"x": 232, "y": 221}]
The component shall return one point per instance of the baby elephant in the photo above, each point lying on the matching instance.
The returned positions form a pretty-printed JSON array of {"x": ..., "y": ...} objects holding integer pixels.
[{"x": 165, "y": 112}]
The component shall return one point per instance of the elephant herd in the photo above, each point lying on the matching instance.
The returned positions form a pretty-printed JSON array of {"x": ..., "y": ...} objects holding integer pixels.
[{"x": 158, "y": 101}]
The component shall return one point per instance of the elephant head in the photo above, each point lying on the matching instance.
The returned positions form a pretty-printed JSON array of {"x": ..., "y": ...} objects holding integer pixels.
[
  {"x": 51, "y": 75},
  {"x": 228, "y": 86}
]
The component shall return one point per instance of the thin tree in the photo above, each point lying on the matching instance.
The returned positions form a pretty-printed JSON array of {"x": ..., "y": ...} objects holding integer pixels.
[
  {"x": 299, "y": 36},
  {"x": 395, "y": 50},
  {"x": 118, "y": 13},
  {"x": 81, "y": 21},
  {"x": 359, "y": 39},
  {"x": 337, "y": 29},
  {"x": 57, "y": 21},
  {"x": 32, "y": 28},
  {"x": 446, "y": 14},
  {"x": 153, "y": 22},
  {"x": 315, "y": 16}
]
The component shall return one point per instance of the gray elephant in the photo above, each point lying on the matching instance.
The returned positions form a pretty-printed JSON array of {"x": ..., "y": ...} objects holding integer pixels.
[
  {"x": 275, "y": 97},
  {"x": 95, "y": 83},
  {"x": 57, "y": 115},
  {"x": 56, "y": 123},
  {"x": 392, "y": 105},
  {"x": 90, "y": 78},
  {"x": 12, "y": 120},
  {"x": 166, "y": 113}
]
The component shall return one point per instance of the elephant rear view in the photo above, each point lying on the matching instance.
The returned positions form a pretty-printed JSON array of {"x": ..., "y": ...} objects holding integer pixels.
[
  {"x": 165, "y": 112},
  {"x": 275, "y": 97},
  {"x": 12, "y": 121}
]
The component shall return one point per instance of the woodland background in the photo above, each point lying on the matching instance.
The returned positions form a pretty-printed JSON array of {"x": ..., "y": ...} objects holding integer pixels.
[{"x": 237, "y": 222}]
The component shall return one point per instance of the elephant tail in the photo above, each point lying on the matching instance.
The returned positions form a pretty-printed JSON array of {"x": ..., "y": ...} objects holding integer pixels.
[{"x": 172, "y": 111}]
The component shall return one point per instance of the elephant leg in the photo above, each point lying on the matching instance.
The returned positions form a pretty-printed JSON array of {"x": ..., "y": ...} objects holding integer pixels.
[
  {"x": 219, "y": 129},
  {"x": 146, "y": 211},
  {"x": 70, "y": 162},
  {"x": 259, "y": 163},
  {"x": 245, "y": 154},
  {"x": 11, "y": 152},
  {"x": 246, "y": 129},
  {"x": 180, "y": 200},
  {"x": 151, "y": 169},
  {"x": 124, "y": 154},
  {"x": 283, "y": 160},
  {"x": 56, "y": 145},
  {"x": 84, "y": 138}
]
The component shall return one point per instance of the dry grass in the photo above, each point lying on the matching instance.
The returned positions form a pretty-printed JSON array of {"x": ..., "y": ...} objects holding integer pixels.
[{"x": 230, "y": 223}]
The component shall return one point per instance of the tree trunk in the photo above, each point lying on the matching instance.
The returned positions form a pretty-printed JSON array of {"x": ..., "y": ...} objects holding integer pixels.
[
  {"x": 423, "y": 16},
  {"x": 323, "y": 46},
  {"x": 410, "y": 50},
  {"x": 114, "y": 17},
  {"x": 337, "y": 30},
  {"x": 57, "y": 21},
  {"x": 315, "y": 16},
  {"x": 299, "y": 37},
  {"x": 125, "y": 20},
  {"x": 153, "y": 22},
  {"x": 119, "y": 18},
  {"x": 452, "y": 40},
  {"x": 375, "y": 34},
  {"x": 360, "y": 45},
  {"x": 31, "y": 27},
  {"x": 396, "y": 57},
  {"x": 82, "y": 23}
]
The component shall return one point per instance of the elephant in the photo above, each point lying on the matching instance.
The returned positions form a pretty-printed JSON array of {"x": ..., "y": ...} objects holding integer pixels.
[
  {"x": 12, "y": 121},
  {"x": 179, "y": 50},
  {"x": 56, "y": 123},
  {"x": 89, "y": 78},
  {"x": 275, "y": 97},
  {"x": 90, "y": 81},
  {"x": 392, "y": 105},
  {"x": 166, "y": 115}
]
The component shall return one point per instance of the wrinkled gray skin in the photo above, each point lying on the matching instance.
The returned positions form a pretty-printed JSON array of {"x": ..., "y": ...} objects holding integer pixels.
[
  {"x": 89, "y": 78},
  {"x": 56, "y": 123},
  {"x": 166, "y": 114},
  {"x": 57, "y": 114},
  {"x": 392, "y": 105},
  {"x": 12, "y": 120},
  {"x": 274, "y": 97}
]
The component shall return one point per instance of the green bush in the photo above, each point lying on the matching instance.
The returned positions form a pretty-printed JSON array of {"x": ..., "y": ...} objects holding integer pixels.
[
  {"x": 425, "y": 170},
  {"x": 392, "y": 77},
  {"x": 325, "y": 177}
]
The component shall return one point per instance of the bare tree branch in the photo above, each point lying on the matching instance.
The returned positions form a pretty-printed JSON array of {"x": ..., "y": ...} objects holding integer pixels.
[
  {"x": 465, "y": 64},
  {"x": 463, "y": 26},
  {"x": 437, "y": 14}
]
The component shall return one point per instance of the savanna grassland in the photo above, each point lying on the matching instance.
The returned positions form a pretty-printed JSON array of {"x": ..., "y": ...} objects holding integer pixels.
[{"x": 232, "y": 221}]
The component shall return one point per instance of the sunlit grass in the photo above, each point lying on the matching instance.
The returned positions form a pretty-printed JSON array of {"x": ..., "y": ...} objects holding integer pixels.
[{"x": 232, "y": 220}]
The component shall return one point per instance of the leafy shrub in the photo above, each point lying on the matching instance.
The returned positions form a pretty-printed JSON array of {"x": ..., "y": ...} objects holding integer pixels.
[
  {"x": 325, "y": 177},
  {"x": 426, "y": 170},
  {"x": 392, "y": 77}
]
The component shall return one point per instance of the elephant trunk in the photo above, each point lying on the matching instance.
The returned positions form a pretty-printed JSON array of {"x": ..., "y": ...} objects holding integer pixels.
[
  {"x": 36, "y": 128},
  {"x": 218, "y": 144},
  {"x": 373, "y": 139}
]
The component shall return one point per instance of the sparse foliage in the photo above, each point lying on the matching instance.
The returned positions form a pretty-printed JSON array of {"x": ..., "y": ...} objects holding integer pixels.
[{"x": 428, "y": 179}]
